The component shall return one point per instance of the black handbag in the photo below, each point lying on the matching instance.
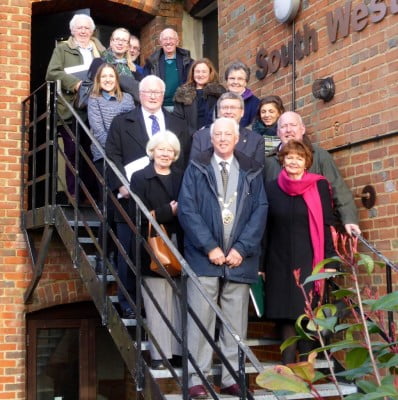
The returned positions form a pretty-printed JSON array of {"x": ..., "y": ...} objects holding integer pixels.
[{"x": 82, "y": 95}]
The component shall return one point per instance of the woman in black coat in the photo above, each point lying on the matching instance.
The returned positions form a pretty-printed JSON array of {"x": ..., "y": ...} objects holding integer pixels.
[
  {"x": 158, "y": 185},
  {"x": 195, "y": 101},
  {"x": 298, "y": 236}
]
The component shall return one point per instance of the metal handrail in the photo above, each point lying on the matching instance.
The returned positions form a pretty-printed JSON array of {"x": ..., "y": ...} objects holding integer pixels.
[{"x": 243, "y": 349}]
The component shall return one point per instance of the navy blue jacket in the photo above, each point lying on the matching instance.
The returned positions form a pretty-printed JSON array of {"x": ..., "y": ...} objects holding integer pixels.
[{"x": 200, "y": 217}]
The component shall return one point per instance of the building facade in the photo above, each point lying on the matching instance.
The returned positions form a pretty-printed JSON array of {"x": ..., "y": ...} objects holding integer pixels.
[{"x": 354, "y": 42}]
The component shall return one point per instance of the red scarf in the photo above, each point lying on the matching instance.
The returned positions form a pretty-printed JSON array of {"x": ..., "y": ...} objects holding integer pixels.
[{"x": 307, "y": 187}]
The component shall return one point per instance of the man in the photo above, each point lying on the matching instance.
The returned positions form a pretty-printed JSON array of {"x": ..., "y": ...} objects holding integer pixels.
[
  {"x": 118, "y": 54},
  {"x": 222, "y": 208},
  {"x": 291, "y": 126},
  {"x": 231, "y": 105},
  {"x": 126, "y": 147},
  {"x": 171, "y": 63},
  {"x": 135, "y": 51}
]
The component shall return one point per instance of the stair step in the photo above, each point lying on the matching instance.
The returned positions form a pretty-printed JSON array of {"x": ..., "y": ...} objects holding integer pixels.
[
  {"x": 261, "y": 342},
  {"x": 216, "y": 370},
  {"x": 325, "y": 390}
]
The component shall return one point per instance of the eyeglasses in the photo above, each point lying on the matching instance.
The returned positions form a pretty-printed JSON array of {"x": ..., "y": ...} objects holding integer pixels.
[
  {"x": 239, "y": 79},
  {"x": 168, "y": 39},
  {"x": 116, "y": 39},
  {"x": 286, "y": 126},
  {"x": 230, "y": 108},
  {"x": 225, "y": 135},
  {"x": 150, "y": 93},
  {"x": 135, "y": 48}
]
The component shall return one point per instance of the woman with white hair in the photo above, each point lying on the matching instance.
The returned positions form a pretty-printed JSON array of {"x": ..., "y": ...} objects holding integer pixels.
[
  {"x": 158, "y": 185},
  {"x": 79, "y": 50}
]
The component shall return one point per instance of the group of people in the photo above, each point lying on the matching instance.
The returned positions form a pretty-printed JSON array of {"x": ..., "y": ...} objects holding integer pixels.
[{"x": 237, "y": 202}]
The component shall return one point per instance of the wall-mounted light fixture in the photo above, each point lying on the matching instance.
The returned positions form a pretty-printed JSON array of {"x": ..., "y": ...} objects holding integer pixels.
[
  {"x": 286, "y": 10},
  {"x": 323, "y": 89},
  {"x": 368, "y": 196}
]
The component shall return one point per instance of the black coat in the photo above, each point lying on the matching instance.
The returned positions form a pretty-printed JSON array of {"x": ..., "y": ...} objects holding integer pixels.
[
  {"x": 128, "y": 138},
  {"x": 288, "y": 247},
  {"x": 150, "y": 189}
]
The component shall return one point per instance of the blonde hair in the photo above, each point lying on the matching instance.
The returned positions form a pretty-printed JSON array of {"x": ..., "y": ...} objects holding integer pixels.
[{"x": 127, "y": 54}]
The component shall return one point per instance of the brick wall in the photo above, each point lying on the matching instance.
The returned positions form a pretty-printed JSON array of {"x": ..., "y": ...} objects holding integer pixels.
[{"x": 364, "y": 66}]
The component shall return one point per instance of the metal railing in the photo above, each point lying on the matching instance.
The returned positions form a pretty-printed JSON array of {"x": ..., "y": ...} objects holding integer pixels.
[{"x": 40, "y": 195}]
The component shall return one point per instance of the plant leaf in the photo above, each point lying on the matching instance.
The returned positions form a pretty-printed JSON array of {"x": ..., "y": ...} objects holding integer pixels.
[
  {"x": 325, "y": 261},
  {"x": 356, "y": 357},
  {"x": 323, "y": 275},
  {"x": 289, "y": 341},
  {"x": 281, "y": 377},
  {"x": 366, "y": 261},
  {"x": 339, "y": 294},
  {"x": 389, "y": 302}
]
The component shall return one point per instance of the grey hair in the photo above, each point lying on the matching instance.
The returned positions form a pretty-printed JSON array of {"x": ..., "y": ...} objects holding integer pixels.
[
  {"x": 225, "y": 119},
  {"x": 236, "y": 66},
  {"x": 230, "y": 96},
  {"x": 74, "y": 19},
  {"x": 163, "y": 137},
  {"x": 151, "y": 78},
  {"x": 297, "y": 115}
]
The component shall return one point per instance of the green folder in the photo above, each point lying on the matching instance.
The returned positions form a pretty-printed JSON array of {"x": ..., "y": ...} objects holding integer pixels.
[{"x": 257, "y": 295}]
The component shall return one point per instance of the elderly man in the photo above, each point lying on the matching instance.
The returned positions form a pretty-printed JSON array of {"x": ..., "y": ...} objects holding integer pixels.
[
  {"x": 135, "y": 51},
  {"x": 126, "y": 147},
  {"x": 291, "y": 126},
  {"x": 78, "y": 51},
  {"x": 171, "y": 63},
  {"x": 231, "y": 105},
  {"x": 222, "y": 210}
]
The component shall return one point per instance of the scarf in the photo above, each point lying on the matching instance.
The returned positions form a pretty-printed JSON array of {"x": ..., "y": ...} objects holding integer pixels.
[{"x": 308, "y": 189}]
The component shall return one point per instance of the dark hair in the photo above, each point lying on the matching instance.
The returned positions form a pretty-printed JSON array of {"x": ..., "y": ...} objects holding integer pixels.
[
  {"x": 272, "y": 99},
  {"x": 96, "y": 92},
  {"x": 236, "y": 66},
  {"x": 296, "y": 147},
  {"x": 213, "y": 76}
]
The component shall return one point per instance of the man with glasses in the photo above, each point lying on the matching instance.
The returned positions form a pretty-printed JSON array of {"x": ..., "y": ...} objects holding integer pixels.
[
  {"x": 171, "y": 63},
  {"x": 135, "y": 51},
  {"x": 126, "y": 147},
  {"x": 231, "y": 105}
]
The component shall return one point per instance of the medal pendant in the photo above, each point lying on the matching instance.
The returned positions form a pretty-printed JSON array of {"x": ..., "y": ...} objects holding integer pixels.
[{"x": 227, "y": 216}]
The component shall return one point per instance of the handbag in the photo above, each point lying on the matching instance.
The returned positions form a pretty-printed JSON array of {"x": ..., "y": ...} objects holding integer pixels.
[
  {"x": 80, "y": 101},
  {"x": 162, "y": 253}
]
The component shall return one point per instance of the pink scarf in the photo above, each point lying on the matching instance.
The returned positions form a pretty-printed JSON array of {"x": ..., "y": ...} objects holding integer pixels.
[{"x": 307, "y": 187}]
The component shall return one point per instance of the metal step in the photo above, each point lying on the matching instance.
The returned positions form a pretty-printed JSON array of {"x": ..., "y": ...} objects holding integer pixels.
[{"x": 325, "y": 390}]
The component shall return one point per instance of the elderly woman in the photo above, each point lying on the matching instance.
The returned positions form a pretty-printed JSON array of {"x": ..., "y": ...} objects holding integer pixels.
[
  {"x": 195, "y": 101},
  {"x": 79, "y": 50},
  {"x": 297, "y": 237},
  {"x": 158, "y": 185},
  {"x": 265, "y": 124},
  {"x": 237, "y": 76}
]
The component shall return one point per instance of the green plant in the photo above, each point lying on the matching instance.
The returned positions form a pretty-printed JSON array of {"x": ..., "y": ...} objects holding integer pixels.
[{"x": 357, "y": 338}]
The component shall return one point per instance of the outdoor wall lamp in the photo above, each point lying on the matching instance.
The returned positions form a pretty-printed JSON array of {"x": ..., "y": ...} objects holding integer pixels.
[{"x": 323, "y": 89}]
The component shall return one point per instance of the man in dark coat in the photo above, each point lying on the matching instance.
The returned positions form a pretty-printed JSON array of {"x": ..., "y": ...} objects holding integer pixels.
[
  {"x": 231, "y": 105},
  {"x": 223, "y": 213},
  {"x": 126, "y": 147},
  {"x": 171, "y": 63},
  {"x": 291, "y": 126}
]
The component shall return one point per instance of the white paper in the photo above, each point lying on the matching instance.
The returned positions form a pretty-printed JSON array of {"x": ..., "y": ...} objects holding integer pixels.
[
  {"x": 75, "y": 68},
  {"x": 135, "y": 165}
]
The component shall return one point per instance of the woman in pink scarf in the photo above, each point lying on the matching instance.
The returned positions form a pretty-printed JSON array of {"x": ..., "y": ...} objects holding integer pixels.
[{"x": 297, "y": 237}]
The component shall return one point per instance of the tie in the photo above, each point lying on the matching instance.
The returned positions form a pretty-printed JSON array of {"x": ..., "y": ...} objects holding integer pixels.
[
  {"x": 224, "y": 175},
  {"x": 155, "y": 124}
]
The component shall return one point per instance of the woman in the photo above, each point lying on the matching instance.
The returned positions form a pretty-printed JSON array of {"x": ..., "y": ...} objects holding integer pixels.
[
  {"x": 237, "y": 76},
  {"x": 158, "y": 185},
  {"x": 195, "y": 101},
  {"x": 79, "y": 50},
  {"x": 297, "y": 237},
  {"x": 269, "y": 110},
  {"x": 106, "y": 101}
]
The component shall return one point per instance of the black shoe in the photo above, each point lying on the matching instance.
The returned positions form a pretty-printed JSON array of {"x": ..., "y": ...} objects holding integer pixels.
[
  {"x": 176, "y": 361},
  {"x": 128, "y": 313},
  {"x": 157, "y": 364}
]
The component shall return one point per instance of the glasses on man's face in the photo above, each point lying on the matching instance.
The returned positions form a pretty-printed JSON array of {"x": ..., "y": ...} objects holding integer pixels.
[
  {"x": 120, "y": 40},
  {"x": 223, "y": 135},
  {"x": 152, "y": 93},
  {"x": 169, "y": 39},
  {"x": 230, "y": 108}
]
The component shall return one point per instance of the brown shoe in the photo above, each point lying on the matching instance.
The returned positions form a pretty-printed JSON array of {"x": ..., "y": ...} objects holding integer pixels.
[{"x": 197, "y": 392}]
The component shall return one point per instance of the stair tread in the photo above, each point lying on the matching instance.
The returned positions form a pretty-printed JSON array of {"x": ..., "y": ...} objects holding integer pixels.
[
  {"x": 216, "y": 369},
  {"x": 325, "y": 390}
]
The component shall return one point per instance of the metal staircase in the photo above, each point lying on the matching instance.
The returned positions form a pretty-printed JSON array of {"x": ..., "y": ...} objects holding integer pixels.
[{"x": 44, "y": 214}]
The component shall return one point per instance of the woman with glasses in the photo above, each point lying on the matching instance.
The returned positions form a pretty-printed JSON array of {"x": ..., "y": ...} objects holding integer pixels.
[
  {"x": 195, "y": 101},
  {"x": 237, "y": 76}
]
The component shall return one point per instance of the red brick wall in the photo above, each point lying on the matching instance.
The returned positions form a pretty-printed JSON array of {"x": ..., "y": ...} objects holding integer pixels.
[{"x": 364, "y": 66}]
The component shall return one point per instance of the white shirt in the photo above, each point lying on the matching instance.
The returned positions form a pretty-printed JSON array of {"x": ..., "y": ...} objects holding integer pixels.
[
  {"x": 228, "y": 161},
  {"x": 148, "y": 121}
]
